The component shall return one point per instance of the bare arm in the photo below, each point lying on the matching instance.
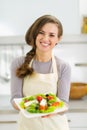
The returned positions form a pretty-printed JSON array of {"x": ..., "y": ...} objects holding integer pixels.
[{"x": 15, "y": 106}]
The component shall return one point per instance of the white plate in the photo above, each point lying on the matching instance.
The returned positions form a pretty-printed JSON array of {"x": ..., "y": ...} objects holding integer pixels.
[{"x": 31, "y": 115}]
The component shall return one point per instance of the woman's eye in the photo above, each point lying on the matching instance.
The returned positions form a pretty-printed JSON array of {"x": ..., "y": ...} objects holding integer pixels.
[
  {"x": 52, "y": 35},
  {"x": 40, "y": 32}
]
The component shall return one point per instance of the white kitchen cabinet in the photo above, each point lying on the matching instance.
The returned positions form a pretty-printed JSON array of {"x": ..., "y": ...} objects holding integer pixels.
[
  {"x": 77, "y": 121},
  {"x": 78, "y": 128},
  {"x": 8, "y": 121},
  {"x": 76, "y": 57},
  {"x": 8, "y": 125}
]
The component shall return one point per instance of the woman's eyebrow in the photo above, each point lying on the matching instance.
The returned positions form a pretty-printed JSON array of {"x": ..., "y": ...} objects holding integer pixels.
[{"x": 49, "y": 32}]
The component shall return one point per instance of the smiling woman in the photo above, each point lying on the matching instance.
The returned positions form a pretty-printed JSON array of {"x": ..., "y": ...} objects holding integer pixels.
[
  {"x": 41, "y": 72},
  {"x": 46, "y": 39}
]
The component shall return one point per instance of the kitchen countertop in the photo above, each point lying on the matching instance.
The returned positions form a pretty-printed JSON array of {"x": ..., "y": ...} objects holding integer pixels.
[
  {"x": 74, "y": 105},
  {"x": 79, "y": 105},
  {"x": 5, "y": 105}
]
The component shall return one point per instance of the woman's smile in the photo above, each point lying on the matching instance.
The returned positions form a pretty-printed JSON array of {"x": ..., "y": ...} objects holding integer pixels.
[
  {"x": 44, "y": 44},
  {"x": 47, "y": 37}
]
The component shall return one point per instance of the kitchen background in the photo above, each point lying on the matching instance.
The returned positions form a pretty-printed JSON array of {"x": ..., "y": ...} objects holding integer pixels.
[
  {"x": 15, "y": 17},
  {"x": 72, "y": 49}
]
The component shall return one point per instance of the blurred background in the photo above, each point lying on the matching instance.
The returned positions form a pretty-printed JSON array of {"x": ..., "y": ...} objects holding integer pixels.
[{"x": 16, "y": 16}]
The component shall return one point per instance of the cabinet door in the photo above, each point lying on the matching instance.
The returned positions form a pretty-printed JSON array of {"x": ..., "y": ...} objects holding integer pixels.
[
  {"x": 77, "y": 120},
  {"x": 8, "y": 125},
  {"x": 8, "y": 120},
  {"x": 78, "y": 128}
]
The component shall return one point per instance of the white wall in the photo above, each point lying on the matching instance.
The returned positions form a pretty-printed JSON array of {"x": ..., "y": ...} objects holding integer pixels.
[
  {"x": 74, "y": 53},
  {"x": 17, "y": 15},
  {"x": 83, "y": 7}
]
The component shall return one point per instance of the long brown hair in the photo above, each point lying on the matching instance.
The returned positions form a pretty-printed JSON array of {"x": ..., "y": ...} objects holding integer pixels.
[{"x": 30, "y": 39}]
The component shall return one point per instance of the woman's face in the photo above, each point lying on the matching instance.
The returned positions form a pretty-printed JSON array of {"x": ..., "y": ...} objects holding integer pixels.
[{"x": 47, "y": 37}]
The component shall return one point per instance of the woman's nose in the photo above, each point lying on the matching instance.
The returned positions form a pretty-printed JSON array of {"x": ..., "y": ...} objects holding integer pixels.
[{"x": 46, "y": 37}]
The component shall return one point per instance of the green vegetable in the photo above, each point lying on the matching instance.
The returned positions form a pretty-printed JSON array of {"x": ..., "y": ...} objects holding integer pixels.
[{"x": 35, "y": 107}]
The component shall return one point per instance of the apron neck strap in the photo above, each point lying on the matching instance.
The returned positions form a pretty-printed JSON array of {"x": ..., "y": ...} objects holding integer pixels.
[{"x": 54, "y": 66}]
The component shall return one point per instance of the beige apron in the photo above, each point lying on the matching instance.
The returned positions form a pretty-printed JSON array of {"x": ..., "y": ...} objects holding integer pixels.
[{"x": 42, "y": 83}]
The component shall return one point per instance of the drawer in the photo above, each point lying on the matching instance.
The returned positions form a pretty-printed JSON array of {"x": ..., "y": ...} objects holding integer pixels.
[
  {"x": 8, "y": 125},
  {"x": 78, "y": 128},
  {"x": 8, "y": 117},
  {"x": 78, "y": 120}
]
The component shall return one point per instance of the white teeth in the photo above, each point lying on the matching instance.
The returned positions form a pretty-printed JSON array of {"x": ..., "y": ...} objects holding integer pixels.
[{"x": 45, "y": 44}]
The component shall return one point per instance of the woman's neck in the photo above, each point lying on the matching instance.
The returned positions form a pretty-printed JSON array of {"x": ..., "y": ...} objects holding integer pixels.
[{"x": 43, "y": 57}]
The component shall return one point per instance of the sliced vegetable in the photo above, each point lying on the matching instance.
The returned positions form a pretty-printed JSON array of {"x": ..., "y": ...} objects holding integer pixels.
[{"x": 41, "y": 103}]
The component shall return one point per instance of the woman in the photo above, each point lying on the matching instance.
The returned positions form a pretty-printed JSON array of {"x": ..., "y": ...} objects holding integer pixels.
[{"x": 41, "y": 72}]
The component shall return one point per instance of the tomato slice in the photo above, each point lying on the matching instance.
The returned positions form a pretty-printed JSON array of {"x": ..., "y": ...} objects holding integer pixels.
[
  {"x": 50, "y": 97},
  {"x": 42, "y": 107},
  {"x": 56, "y": 104},
  {"x": 39, "y": 98}
]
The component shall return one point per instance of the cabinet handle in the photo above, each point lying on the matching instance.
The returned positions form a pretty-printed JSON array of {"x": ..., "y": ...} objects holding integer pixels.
[
  {"x": 8, "y": 122},
  {"x": 81, "y": 64},
  {"x": 69, "y": 120}
]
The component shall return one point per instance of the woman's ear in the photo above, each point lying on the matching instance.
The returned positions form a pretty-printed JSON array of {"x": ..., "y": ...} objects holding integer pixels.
[{"x": 59, "y": 38}]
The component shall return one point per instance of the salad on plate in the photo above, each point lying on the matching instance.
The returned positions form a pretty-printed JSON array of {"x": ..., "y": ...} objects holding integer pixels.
[{"x": 41, "y": 103}]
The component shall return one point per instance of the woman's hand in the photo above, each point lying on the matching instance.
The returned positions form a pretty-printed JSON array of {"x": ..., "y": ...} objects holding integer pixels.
[
  {"x": 15, "y": 106},
  {"x": 60, "y": 113},
  {"x": 49, "y": 115}
]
